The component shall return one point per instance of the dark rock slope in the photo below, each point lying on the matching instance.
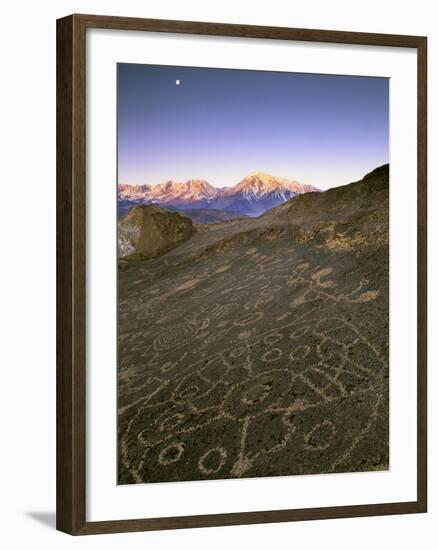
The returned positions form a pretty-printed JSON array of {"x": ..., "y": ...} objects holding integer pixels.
[
  {"x": 149, "y": 231},
  {"x": 259, "y": 347}
]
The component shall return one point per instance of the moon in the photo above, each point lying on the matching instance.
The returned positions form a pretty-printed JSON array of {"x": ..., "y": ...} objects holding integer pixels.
[{"x": 178, "y": 82}]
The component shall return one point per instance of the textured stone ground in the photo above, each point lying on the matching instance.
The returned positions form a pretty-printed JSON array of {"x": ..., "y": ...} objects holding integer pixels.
[{"x": 260, "y": 347}]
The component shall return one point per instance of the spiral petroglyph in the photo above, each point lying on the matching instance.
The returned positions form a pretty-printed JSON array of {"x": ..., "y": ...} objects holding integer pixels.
[{"x": 174, "y": 337}]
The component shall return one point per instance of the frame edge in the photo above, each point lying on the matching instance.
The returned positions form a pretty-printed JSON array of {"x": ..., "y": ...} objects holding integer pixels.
[
  {"x": 70, "y": 278},
  {"x": 248, "y": 31},
  {"x": 422, "y": 274}
]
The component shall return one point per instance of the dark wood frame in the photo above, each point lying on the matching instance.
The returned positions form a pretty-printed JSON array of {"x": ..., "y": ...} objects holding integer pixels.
[{"x": 71, "y": 266}]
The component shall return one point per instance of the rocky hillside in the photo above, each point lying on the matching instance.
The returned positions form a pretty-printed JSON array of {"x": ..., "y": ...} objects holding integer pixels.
[
  {"x": 259, "y": 347},
  {"x": 148, "y": 232},
  {"x": 207, "y": 215},
  {"x": 343, "y": 217}
]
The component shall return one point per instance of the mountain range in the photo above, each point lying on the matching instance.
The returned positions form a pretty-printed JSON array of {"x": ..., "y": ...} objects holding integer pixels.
[{"x": 252, "y": 196}]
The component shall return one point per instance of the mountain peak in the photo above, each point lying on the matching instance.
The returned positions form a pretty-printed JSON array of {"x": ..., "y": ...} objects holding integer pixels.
[
  {"x": 265, "y": 176},
  {"x": 188, "y": 191},
  {"x": 262, "y": 182},
  {"x": 261, "y": 175}
]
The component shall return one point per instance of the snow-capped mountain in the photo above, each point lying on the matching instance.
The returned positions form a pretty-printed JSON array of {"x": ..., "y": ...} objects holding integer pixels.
[
  {"x": 259, "y": 192},
  {"x": 260, "y": 184},
  {"x": 190, "y": 191},
  {"x": 252, "y": 196},
  {"x": 132, "y": 191}
]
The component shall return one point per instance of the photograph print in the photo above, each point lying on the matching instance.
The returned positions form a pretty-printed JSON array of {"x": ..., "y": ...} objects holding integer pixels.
[{"x": 252, "y": 273}]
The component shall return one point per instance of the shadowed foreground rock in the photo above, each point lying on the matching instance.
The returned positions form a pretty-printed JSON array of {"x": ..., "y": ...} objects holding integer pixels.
[{"x": 259, "y": 347}]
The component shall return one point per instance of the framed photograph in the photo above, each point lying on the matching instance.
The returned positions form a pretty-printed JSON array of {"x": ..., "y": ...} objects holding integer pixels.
[{"x": 241, "y": 259}]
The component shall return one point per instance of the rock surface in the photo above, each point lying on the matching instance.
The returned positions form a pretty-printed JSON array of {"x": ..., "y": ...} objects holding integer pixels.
[
  {"x": 259, "y": 347},
  {"x": 149, "y": 231}
]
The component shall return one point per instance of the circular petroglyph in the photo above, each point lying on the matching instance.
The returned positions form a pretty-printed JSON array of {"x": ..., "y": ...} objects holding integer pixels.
[
  {"x": 368, "y": 296},
  {"x": 320, "y": 436},
  {"x": 263, "y": 298},
  {"x": 321, "y": 273},
  {"x": 327, "y": 284},
  {"x": 171, "y": 454},
  {"x": 237, "y": 352},
  {"x": 167, "y": 366},
  {"x": 212, "y": 461},
  {"x": 174, "y": 337},
  {"x": 272, "y": 355},
  {"x": 222, "y": 268},
  {"x": 257, "y": 393},
  {"x": 188, "y": 393},
  {"x": 299, "y": 332},
  {"x": 167, "y": 318},
  {"x": 299, "y": 353},
  {"x": 187, "y": 285},
  {"x": 248, "y": 319},
  {"x": 270, "y": 339},
  {"x": 138, "y": 382}
]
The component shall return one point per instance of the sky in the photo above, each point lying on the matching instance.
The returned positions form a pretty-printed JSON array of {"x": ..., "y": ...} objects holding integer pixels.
[{"x": 220, "y": 125}]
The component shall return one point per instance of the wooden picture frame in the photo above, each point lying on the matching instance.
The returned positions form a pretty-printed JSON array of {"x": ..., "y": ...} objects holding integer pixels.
[{"x": 71, "y": 273}]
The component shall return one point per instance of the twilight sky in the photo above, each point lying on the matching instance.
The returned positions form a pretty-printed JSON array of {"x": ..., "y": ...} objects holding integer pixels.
[{"x": 223, "y": 124}]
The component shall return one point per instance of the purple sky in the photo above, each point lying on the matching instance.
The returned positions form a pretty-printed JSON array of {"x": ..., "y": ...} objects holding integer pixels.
[{"x": 222, "y": 124}]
